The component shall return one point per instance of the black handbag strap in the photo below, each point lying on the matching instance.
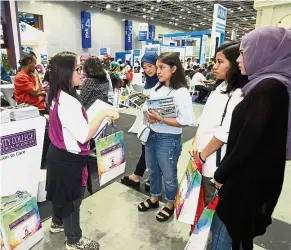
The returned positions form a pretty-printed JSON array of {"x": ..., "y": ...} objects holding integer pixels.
[{"x": 218, "y": 152}]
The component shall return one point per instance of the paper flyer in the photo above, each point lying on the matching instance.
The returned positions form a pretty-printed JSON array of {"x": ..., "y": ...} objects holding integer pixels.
[
  {"x": 136, "y": 100},
  {"x": 166, "y": 106},
  {"x": 110, "y": 157},
  {"x": 188, "y": 195}
]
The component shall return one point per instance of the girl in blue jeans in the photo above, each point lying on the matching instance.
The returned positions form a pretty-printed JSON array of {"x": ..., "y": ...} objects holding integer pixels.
[{"x": 163, "y": 146}]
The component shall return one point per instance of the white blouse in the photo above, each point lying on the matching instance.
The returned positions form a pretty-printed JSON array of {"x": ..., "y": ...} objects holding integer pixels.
[{"x": 210, "y": 120}]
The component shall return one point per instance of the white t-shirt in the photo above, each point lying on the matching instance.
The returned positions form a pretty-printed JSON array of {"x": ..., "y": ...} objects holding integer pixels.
[
  {"x": 210, "y": 120},
  {"x": 198, "y": 79},
  {"x": 184, "y": 108}
]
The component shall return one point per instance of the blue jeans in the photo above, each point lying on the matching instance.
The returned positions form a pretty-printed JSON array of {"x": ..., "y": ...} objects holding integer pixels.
[
  {"x": 220, "y": 237},
  {"x": 162, "y": 155}
]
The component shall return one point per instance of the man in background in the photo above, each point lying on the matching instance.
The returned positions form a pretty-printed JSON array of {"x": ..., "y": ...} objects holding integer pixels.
[
  {"x": 106, "y": 62},
  {"x": 28, "y": 89}
]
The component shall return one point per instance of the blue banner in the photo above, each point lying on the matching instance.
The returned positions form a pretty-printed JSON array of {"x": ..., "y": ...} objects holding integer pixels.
[
  {"x": 86, "y": 29},
  {"x": 152, "y": 32},
  {"x": 142, "y": 35},
  {"x": 128, "y": 35}
]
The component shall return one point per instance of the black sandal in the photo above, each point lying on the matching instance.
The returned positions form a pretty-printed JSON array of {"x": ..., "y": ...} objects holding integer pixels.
[
  {"x": 130, "y": 183},
  {"x": 163, "y": 217},
  {"x": 146, "y": 205}
]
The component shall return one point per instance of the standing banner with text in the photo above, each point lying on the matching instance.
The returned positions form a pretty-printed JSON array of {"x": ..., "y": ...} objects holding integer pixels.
[
  {"x": 86, "y": 29},
  {"x": 143, "y": 32},
  {"x": 218, "y": 27},
  {"x": 21, "y": 151},
  {"x": 128, "y": 35},
  {"x": 152, "y": 32}
]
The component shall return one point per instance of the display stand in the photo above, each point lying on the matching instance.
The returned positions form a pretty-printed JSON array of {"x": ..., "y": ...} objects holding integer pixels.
[{"x": 21, "y": 153}]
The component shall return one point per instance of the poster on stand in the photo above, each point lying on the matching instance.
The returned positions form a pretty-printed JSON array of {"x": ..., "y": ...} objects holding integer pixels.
[{"x": 110, "y": 157}]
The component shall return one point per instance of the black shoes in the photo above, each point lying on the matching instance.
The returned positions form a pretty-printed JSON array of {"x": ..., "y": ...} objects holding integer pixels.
[{"x": 128, "y": 182}]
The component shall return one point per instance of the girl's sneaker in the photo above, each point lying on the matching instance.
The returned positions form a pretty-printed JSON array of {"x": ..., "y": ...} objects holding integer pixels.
[{"x": 84, "y": 244}]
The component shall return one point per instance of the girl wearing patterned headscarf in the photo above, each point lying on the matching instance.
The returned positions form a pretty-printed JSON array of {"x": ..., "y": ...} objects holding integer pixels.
[{"x": 251, "y": 175}]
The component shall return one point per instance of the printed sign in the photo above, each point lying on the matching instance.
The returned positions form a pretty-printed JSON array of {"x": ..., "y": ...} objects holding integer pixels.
[
  {"x": 86, "y": 29},
  {"x": 128, "y": 35},
  {"x": 143, "y": 32},
  {"x": 152, "y": 32},
  {"x": 18, "y": 141}
]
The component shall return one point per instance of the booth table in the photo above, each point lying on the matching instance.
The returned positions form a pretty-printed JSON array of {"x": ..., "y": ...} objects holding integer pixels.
[
  {"x": 21, "y": 153},
  {"x": 8, "y": 90}
]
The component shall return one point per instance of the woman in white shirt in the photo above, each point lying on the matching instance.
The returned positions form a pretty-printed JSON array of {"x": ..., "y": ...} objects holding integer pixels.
[
  {"x": 211, "y": 136},
  {"x": 163, "y": 146}
]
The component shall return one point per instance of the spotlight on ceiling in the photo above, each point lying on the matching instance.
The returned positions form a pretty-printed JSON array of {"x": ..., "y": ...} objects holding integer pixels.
[
  {"x": 152, "y": 7},
  {"x": 118, "y": 9},
  {"x": 182, "y": 9},
  {"x": 204, "y": 9},
  {"x": 144, "y": 16},
  {"x": 144, "y": 9},
  {"x": 158, "y": 1},
  {"x": 152, "y": 18},
  {"x": 157, "y": 9},
  {"x": 91, "y": 6},
  {"x": 189, "y": 12},
  {"x": 108, "y": 6},
  {"x": 198, "y": 6}
]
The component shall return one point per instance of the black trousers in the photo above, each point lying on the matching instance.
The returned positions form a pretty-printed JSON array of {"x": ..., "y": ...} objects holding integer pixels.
[{"x": 141, "y": 165}]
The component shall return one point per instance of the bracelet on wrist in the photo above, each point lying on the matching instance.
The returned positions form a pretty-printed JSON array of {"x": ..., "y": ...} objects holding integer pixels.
[{"x": 203, "y": 161}]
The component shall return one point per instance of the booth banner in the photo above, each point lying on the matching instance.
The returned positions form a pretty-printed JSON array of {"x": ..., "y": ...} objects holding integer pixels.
[
  {"x": 203, "y": 49},
  {"x": 143, "y": 32},
  {"x": 110, "y": 157},
  {"x": 136, "y": 52},
  {"x": 86, "y": 29},
  {"x": 104, "y": 51},
  {"x": 20, "y": 157},
  {"x": 128, "y": 35},
  {"x": 152, "y": 32},
  {"x": 218, "y": 27}
]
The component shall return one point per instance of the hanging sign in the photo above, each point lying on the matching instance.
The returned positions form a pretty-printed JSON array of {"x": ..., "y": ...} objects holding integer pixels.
[
  {"x": 86, "y": 29},
  {"x": 143, "y": 32},
  {"x": 128, "y": 35},
  {"x": 152, "y": 32}
]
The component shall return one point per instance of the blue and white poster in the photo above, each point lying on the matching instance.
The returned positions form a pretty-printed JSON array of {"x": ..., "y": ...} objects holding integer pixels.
[
  {"x": 152, "y": 32},
  {"x": 86, "y": 29},
  {"x": 143, "y": 32},
  {"x": 128, "y": 35}
]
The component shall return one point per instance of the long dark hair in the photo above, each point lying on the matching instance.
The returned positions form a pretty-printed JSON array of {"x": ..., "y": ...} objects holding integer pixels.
[
  {"x": 178, "y": 79},
  {"x": 94, "y": 69},
  {"x": 234, "y": 78},
  {"x": 62, "y": 68}
]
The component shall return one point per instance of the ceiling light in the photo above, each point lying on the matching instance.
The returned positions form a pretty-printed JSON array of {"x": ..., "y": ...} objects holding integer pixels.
[
  {"x": 176, "y": 24},
  {"x": 227, "y": 32},
  {"x": 108, "y": 6},
  {"x": 180, "y": 16},
  {"x": 173, "y": 18},
  {"x": 182, "y": 9},
  {"x": 231, "y": 11},
  {"x": 254, "y": 18},
  {"x": 204, "y": 9},
  {"x": 245, "y": 18},
  {"x": 184, "y": 18},
  {"x": 238, "y": 8},
  {"x": 198, "y": 6},
  {"x": 152, "y": 18},
  {"x": 194, "y": 28},
  {"x": 170, "y": 22},
  {"x": 189, "y": 12},
  {"x": 149, "y": 11},
  {"x": 205, "y": 18},
  {"x": 144, "y": 9},
  {"x": 190, "y": 28},
  {"x": 123, "y": 19},
  {"x": 118, "y": 9},
  {"x": 144, "y": 16},
  {"x": 177, "y": 19},
  {"x": 157, "y": 9},
  {"x": 91, "y": 6},
  {"x": 241, "y": 10},
  {"x": 209, "y": 20},
  {"x": 152, "y": 7},
  {"x": 197, "y": 25},
  {"x": 158, "y": 1}
]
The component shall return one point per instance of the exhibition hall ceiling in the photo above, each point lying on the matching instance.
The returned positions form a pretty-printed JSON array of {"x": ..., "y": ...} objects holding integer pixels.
[{"x": 186, "y": 15}]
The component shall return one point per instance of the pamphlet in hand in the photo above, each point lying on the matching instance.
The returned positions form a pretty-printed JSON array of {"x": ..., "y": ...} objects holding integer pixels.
[
  {"x": 136, "y": 100},
  {"x": 164, "y": 106},
  {"x": 94, "y": 109}
]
